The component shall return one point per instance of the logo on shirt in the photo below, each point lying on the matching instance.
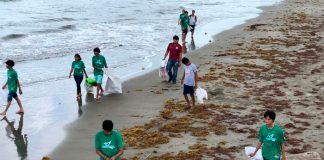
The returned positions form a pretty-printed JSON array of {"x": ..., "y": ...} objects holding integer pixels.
[
  {"x": 270, "y": 137},
  {"x": 76, "y": 66},
  {"x": 98, "y": 62},
  {"x": 108, "y": 145},
  {"x": 177, "y": 47}
]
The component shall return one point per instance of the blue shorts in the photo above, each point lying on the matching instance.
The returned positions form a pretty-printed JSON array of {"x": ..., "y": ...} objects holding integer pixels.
[
  {"x": 188, "y": 90},
  {"x": 11, "y": 95},
  {"x": 98, "y": 78}
]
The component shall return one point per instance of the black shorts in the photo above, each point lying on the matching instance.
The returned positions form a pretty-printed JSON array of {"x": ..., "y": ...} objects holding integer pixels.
[
  {"x": 188, "y": 90},
  {"x": 12, "y": 95},
  {"x": 192, "y": 28}
]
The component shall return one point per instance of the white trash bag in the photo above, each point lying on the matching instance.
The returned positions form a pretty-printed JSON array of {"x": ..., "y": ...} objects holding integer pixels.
[
  {"x": 250, "y": 150},
  {"x": 201, "y": 94},
  {"x": 162, "y": 70},
  {"x": 113, "y": 84}
]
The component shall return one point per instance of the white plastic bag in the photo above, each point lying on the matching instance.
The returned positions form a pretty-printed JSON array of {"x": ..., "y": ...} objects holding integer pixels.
[
  {"x": 250, "y": 150},
  {"x": 162, "y": 70},
  {"x": 201, "y": 94},
  {"x": 88, "y": 87},
  {"x": 113, "y": 84}
]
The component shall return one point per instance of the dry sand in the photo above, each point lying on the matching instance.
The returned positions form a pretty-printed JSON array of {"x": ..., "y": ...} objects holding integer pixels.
[{"x": 272, "y": 62}]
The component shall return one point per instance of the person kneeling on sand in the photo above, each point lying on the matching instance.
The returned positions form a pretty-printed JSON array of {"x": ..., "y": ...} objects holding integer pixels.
[
  {"x": 189, "y": 80},
  {"x": 12, "y": 83},
  {"x": 271, "y": 138},
  {"x": 98, "y": 63},
  {"x": 109, "y": 143}
]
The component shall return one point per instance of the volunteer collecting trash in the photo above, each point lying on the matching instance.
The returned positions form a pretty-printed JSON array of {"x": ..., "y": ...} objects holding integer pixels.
[
  {"x": 78, "y": 69},
  {"x": 98, "y": 63},
  {"x": 189, "y": 81}
]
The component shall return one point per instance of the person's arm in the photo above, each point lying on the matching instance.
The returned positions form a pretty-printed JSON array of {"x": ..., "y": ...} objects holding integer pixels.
[
  {"x": 196, "y": 79},
  {"x": 195, "y": 20},
  {"x": 180, "y": 56},
  {"x": 166, "y": 52},
  {"x": 120, "y": 152},
  {"x": 71, "y": 71},
  {"x": 19, "y": 87},
  {"x": 256, "y": 149},
  {"x": 105, "y": 62},
  {"x": 283, "y": 151},
  {"x": 183, "y": 76},
  {"x": 85, "y": 73},
  {"x": 5, "y": 85},
  {"x": 99, "y": 153}
]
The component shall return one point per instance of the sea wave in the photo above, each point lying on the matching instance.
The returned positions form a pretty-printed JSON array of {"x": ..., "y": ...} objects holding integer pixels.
[{"x": 14, "y": 36}]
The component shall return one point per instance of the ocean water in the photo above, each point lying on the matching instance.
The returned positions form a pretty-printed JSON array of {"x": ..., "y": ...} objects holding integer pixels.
[{"x": 42, "y": 36}]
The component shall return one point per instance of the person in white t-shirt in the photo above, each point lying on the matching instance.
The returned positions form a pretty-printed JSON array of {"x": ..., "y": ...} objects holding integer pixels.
[
  {"x": 189, "y": 81},
  {"x": 192, "y": 22}
]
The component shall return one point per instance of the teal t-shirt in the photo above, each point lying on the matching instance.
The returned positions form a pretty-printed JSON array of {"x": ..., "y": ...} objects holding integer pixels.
[
  {"x": 109, "y": 145},
  {"x": 272, "y": 140},
  {"x": 184, "y": 21},
  {"x": 98, "y": 62},
  {"x": 78, "y": 67},
  {"x": 12, "y": 80}
]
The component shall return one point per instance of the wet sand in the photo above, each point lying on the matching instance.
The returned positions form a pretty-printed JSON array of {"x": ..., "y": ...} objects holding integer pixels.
[{"x": 273, "y": 62}]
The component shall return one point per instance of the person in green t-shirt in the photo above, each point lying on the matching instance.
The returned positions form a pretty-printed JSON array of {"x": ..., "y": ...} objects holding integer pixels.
[
  {"x": 109, "y": 143},
  {"x": 181, "y": 15},
  {"x": 184, "y": 21},
  {"x": 271, "y": 138},
  {"x": 13, "y": 84},
  {"x": 79, "y": 69},
  {"x": 98, "y": 63}
]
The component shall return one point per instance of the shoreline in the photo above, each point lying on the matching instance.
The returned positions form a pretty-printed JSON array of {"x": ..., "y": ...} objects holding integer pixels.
[{"x": 144, "y": 96}]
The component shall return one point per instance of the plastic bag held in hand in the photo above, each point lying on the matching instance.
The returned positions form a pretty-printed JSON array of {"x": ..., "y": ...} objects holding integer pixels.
[
  {"x": 201, "y": 94},
  {"x": 250, "y": 150},
  {"x": 162, "y": 70},
  {"x": 113, "y": 84},
  {"x": 3, "y": 98}
]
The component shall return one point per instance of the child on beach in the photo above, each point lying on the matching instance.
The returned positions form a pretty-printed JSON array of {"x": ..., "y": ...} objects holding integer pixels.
[
  {"x": 98, "y": 63},
  {"x": 12, "y": 83},
  {"x": 271, "y": 138},
  {"x": 79, "y": 69},
  {"x": 184, "y": 21},
  {"x": 109, "y": 143},
  {"x": 174, "y": 51},
  {"x": 192, "y": 23},
  {"x": 189, "y": 81}
]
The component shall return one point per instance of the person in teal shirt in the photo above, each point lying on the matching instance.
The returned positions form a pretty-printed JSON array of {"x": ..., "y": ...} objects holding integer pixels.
[
  {"x": 109, "y": 143},
  {"x": 271, "y": 138},
  {"x": 98, "y": 63},
  {"x": 184, "y": 21},
  {"x": 78, "y": 69},
  {"x": 13, "y": 84}
]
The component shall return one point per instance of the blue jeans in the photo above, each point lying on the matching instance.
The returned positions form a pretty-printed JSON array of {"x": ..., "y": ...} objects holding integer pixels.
[
  {"x": 78, "y": 80},
  {"x": 172, "y": 66}
]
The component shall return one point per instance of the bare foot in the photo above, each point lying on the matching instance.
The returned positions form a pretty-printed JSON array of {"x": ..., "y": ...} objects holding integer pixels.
[
  {"x": 3, "y": 114},
  {"x": 20, "y": 112},
  {"x": 98, "y": 100},
  {"x": 188, "y": 107}
]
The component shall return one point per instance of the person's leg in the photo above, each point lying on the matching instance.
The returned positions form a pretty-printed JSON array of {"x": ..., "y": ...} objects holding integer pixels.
[
  {"x": 193, "y": 100},
  {"x": 78, "y": 80},
  {"x": 175, "y": 72},
  {"x": 21, "y": 110},
  {"x": 187, "y": 100},
  {"x": 169, "y": 69},
  {"x": 10, "y": 95}
]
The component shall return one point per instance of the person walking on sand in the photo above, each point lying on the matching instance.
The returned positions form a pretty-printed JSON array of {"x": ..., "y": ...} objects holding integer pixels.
[
  {"x": 98, "y": 63},
  {"x": 271, "y": 138},
  {"x": 12, "y": 83},
  {"x": 109, "y": 143},
  {"x": 184, "y": 21},
  {"x": 192, "y": 23},
  {"x": 79, "y": 69},
  {"x": 189, "y": 81},
  {"x": 174, "y": 51},
  {"x": 181, "y": 15}
]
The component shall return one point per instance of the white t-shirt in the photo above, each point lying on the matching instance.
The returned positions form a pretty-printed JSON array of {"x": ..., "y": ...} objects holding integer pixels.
[
  {"x": 192, "y": 20},
  {"x": 190, "y": 74}
]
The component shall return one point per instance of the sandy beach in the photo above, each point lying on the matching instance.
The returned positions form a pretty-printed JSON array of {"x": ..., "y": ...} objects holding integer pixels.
[{"x": 273, "y": 62}]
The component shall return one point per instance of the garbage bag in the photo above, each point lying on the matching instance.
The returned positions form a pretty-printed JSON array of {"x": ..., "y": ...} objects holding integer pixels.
[
  {"x": 91, "y": 81},
  {"x": 201, "y": 94},
  {"x": 113, "y": 83},
  {"x": 88, "y": 87},
  {"x": 250, "y": 150},
  {"x": 3, "y": 97},
  {"x": 162, "y": 70}
]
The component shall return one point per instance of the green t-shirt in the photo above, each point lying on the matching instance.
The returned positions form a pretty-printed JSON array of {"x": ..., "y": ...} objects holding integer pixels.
[
  {"x": 109, "y": 145},
  {"x": 12, "y": 80},
  {"x": 78, "y": 67},
  {"x": 184, "y": 21},
  {"x": 272, "y": 140},
  {"x": 98, "y": 62}
]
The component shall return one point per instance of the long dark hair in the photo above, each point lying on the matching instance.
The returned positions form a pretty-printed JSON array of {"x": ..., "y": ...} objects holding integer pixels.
[{"x": 78, "y": 55}]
